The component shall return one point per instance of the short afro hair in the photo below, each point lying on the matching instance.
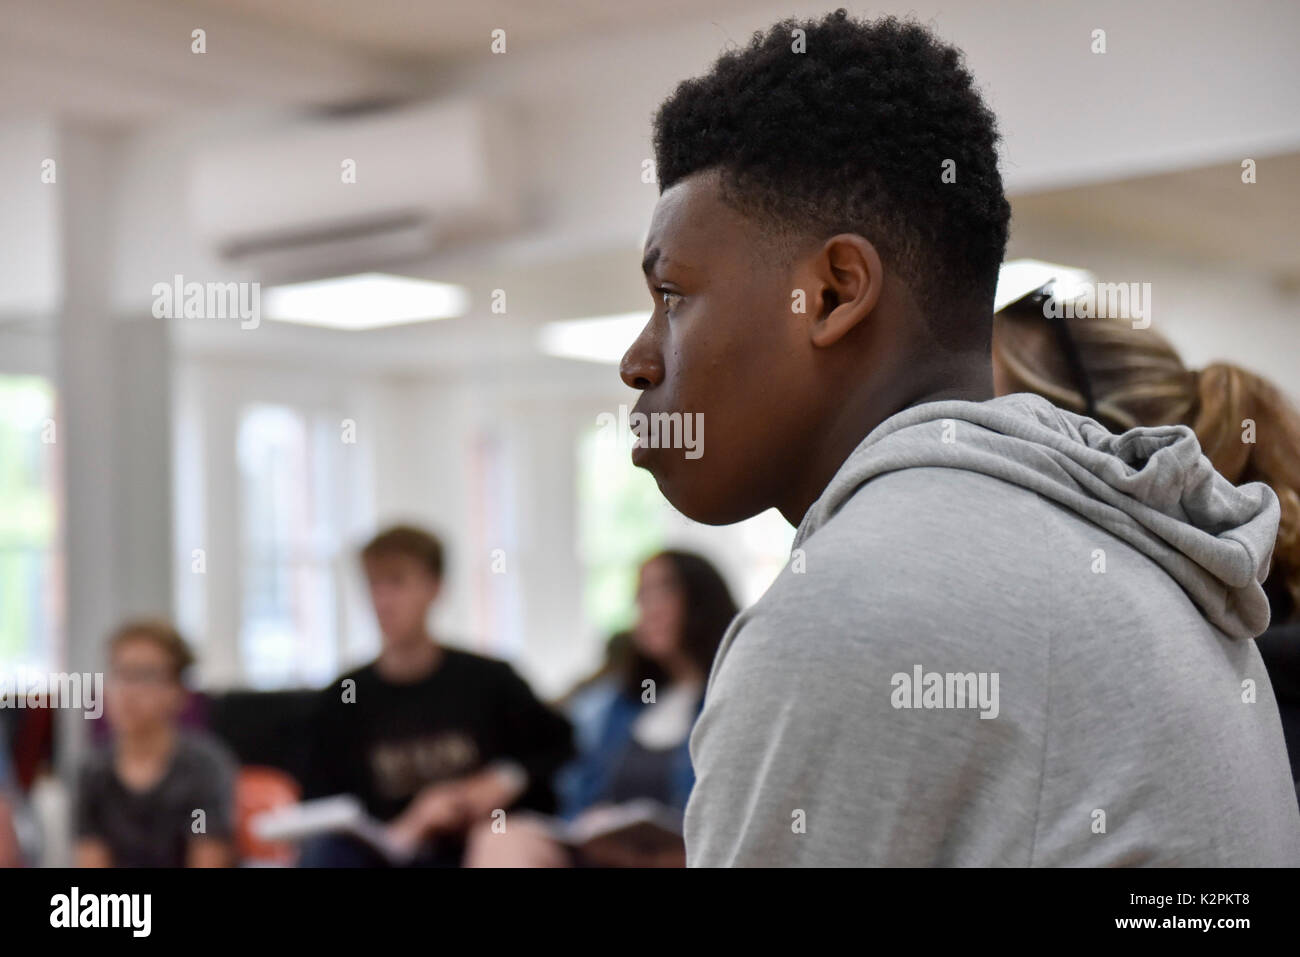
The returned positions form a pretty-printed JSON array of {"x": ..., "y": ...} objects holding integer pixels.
[{"x": 852, "y": 136}]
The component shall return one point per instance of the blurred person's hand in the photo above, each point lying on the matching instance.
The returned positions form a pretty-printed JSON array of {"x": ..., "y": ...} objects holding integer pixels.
[
  {"x": 494, "y": 788},
  {"x": 208, "y": 852},
  {"x": 92, "y": 852},
  {"x": 438, "y": 809},
  {"x": 525, "y": 842},
  {"x": 453, "y": 806}
]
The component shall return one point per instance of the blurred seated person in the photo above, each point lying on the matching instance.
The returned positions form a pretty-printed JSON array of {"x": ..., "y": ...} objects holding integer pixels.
[
  {"x": 586, "y": 703},
  {"x": 641, "y": 749},
  {"x": 10, "y": 851},
  {"x": 431, "y": 739},
  {"x": 139, "y": 798}
]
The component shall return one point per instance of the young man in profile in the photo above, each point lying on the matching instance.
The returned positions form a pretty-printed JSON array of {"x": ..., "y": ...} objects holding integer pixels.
[
  {"x": 1005, "y": 636},
  {"x": 432, "y": 739}
]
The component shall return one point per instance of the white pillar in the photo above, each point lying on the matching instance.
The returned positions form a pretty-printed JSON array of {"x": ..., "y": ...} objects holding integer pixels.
[{"x": 114, "y": 416}]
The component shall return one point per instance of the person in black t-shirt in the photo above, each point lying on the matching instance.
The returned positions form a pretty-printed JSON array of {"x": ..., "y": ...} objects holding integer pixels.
[{"x": 432, "y": 740}]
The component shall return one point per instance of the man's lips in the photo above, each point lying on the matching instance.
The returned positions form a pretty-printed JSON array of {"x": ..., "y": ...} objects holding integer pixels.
[{"x": 640, "y": 452}]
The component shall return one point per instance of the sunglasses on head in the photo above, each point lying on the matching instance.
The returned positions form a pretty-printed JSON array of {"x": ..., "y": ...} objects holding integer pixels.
[{"x": 1036, "y": 302}]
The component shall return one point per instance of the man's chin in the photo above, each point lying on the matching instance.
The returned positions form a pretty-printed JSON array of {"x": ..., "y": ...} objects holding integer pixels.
[{"x": 684, "y": 493}]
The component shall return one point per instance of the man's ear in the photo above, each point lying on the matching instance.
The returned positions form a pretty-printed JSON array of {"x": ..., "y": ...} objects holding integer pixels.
[{"x": 851, "y": 278}]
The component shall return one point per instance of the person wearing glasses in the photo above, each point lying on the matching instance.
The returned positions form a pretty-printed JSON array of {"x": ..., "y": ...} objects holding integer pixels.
[{"x": 158, "y": 796}]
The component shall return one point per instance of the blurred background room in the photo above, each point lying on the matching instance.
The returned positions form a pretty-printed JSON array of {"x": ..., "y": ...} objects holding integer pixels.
[{"x": 443, "y": 205}]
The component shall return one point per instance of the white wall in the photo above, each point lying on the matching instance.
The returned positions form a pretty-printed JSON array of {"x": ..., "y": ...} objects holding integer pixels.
[{"x": 30, "y": 285}]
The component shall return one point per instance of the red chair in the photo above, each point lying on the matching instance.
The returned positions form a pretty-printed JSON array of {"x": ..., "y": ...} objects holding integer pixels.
[{"x": 259, "y": 789}]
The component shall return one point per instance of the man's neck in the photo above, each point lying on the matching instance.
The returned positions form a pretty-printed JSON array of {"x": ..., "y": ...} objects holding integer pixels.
[
  {"x": 409, "y": 660},
  {"x": 146, "y": 744},
  {"x": 856, "y": 420}
]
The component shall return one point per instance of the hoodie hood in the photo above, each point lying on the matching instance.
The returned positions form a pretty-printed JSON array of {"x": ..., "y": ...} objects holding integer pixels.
[{"x": 1151, "y": 487}]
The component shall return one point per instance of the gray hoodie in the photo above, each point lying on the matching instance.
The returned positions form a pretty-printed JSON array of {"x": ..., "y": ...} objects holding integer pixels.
[{"x": 1005, "y": 637}]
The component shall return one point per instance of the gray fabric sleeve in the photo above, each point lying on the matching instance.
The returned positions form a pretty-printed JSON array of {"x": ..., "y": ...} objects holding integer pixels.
[{"x": 214, "y": 772}]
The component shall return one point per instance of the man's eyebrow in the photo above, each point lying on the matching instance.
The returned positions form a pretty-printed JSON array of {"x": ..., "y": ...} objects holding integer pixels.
[{"x": 654, "y": 257}]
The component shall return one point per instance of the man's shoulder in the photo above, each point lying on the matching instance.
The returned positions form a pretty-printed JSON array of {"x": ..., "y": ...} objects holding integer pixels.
[
  {"x": 458, "y": 666},
  {"x": 917, "y": 562},
  {"x": 465, "y": 662},
  {"x": 941, "y": 505},
  {"x": 200, "y": 751},
  {"x": 362, "y": 674},
  {"x": 919, "y": 531},
  {"x": 450, "y": 658}
]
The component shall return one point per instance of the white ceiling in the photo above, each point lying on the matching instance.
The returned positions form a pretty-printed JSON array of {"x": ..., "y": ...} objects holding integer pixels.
[
  {"x": 114, "y": 63},
  {"x": 120, "y": 62},
  {"x": 126, "y": 63},
  {"x": 441, "y": 29},
  {"x": 1206, "y": 215}
]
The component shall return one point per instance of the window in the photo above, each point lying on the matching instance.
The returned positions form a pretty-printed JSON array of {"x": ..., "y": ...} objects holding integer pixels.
[
  {"x": 30, "y": 600},
  {"x": 289, "y": 464},
  {"x": 623, "y": 518}
]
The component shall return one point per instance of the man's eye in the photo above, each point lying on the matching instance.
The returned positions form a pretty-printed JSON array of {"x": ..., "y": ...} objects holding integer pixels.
[{"x": 670, "y": 299}]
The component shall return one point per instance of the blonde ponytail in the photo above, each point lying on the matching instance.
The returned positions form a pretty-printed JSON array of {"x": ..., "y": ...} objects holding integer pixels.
[{"x": 1250, "y": 431}]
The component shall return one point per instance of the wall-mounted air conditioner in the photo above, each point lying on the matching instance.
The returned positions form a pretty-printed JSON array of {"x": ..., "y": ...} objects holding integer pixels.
[{"x": 357, "y": 192}]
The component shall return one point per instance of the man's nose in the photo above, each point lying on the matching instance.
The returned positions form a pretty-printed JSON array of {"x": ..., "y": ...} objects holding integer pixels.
[{"x": 642, "y": 366}]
